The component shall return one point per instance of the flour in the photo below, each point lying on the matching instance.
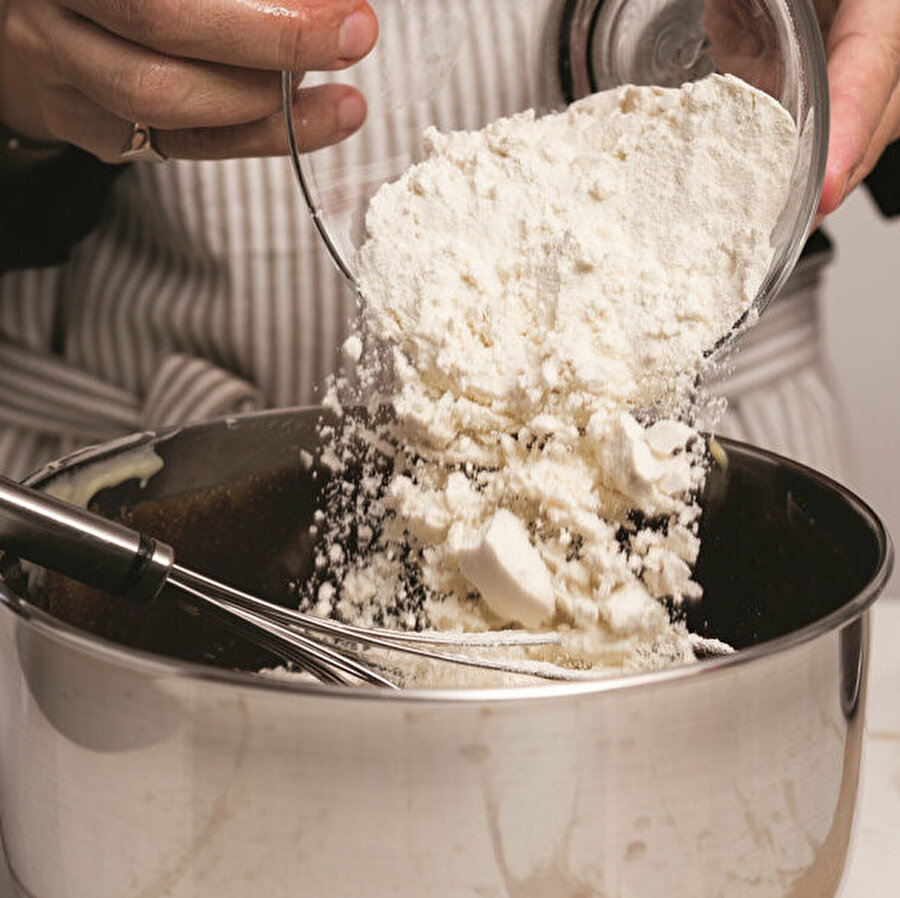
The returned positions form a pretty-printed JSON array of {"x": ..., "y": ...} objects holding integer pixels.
[
  {"x": 575, "y": 263},
  {"x": 544, "y": 293}
]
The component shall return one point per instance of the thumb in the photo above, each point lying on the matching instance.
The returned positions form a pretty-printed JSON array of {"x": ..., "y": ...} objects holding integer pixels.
[{"x": 863, "y": 70}]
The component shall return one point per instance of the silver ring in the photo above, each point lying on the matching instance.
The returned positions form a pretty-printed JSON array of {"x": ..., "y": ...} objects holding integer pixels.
[{"x": 140, "y": 145}]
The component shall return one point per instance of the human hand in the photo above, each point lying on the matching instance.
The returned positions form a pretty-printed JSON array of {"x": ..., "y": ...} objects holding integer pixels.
[
  {"x": 862, "y": 39},
  {"x": 863, "y": 46},
  {"x": 205, "y": 76}
]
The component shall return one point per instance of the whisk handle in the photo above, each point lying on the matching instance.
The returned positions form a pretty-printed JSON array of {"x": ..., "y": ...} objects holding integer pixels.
[{"x": 80, "y": 544}]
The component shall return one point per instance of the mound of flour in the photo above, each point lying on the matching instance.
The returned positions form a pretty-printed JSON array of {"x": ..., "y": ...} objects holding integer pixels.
[
  {"x": 576, "y": 263},
  {"x": 542, "y": 294}
]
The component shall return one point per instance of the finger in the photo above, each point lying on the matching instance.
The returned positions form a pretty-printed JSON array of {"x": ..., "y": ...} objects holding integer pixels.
[
  {"x": 137, "y": 84},
  {"x": 299, "y": 35},
  {"x": 888, "y": 131},
  {"x": 76, "y": 119},
  {"x": 324, "y": 115},
  {"x": 863, "y": 69}
]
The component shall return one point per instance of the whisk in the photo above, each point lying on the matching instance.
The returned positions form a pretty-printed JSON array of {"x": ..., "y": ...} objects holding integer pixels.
[{"x": 121, "y": 561}]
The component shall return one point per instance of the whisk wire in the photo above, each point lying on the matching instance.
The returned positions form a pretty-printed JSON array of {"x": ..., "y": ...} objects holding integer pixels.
[
  {"x": 407, "y": 643},
  {"x": 111, "y": 556},
  {"x": 308, "y": 653}
]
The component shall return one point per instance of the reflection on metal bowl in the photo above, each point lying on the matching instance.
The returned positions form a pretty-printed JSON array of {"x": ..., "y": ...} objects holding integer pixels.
[{"x": 140, "y": 756}]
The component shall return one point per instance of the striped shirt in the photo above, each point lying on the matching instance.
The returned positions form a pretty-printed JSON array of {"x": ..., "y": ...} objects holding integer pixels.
[{"x": 205, "y": 289}]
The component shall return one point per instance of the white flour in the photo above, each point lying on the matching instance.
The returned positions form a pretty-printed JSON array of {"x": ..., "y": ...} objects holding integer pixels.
[{"x": 544, "y": 292}]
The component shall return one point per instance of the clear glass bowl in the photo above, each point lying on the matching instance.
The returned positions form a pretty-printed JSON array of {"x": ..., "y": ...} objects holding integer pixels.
[{"x": 459, "y": 64}]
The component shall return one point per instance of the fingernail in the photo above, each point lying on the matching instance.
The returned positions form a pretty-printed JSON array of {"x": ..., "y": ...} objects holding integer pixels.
[
  {"x": 351, "y": 112},
  {"x": 843, "y": 191},
  {"x": 357, "y": 35}
]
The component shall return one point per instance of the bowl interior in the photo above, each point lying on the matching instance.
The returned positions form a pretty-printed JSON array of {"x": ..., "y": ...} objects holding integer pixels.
[
  {"x": 782, "y": 546},
  {"x": 463, "y": 63}
]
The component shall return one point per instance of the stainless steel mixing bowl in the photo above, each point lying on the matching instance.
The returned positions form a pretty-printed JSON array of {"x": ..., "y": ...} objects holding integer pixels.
[{"x": 128, "y": 771}]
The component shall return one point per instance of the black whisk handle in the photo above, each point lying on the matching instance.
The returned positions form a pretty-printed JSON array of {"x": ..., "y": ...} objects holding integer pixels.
[{"x": 81, "y": 545}]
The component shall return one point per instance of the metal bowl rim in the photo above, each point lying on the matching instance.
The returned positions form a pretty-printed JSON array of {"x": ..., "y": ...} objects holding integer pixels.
[{"x": 161, "y": 666}]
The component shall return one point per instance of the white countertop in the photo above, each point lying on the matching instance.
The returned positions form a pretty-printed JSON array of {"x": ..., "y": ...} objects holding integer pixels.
[{"x": 874, "y": 866}]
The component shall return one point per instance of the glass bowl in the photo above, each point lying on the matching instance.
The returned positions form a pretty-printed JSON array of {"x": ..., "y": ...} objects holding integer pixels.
[{"x": 459, "y": 64}]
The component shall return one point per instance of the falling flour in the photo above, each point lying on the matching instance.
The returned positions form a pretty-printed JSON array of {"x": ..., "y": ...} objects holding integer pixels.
[{"x": 540, "y": 297}]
